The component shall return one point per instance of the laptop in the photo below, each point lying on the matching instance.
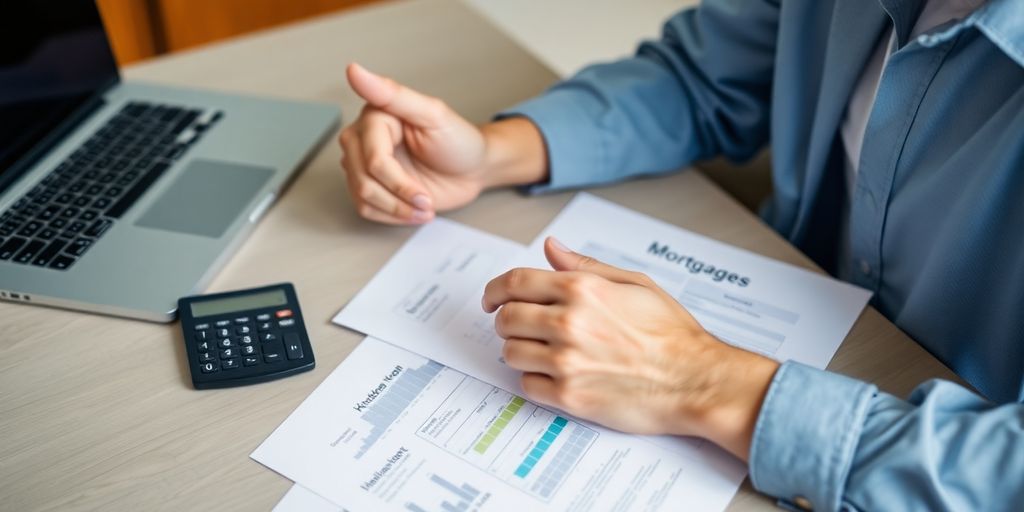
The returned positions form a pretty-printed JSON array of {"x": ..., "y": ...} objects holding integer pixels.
[{"x": 120, "y": 197}]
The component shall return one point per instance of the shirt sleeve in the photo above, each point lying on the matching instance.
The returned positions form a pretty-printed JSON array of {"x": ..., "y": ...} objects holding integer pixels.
[
  {"x": 703, "y": 89},
  {"x": 833, "y": 443}
]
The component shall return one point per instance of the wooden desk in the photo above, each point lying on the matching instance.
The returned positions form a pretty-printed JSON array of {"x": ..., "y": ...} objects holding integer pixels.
[{"x": 99, "y": 413}]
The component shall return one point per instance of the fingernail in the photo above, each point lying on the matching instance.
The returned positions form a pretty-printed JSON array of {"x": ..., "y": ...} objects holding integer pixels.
[
  {"x": 421, "y": 201},
  {"x": 420, "y": 215},
  {"x": 558, "y": 245}
]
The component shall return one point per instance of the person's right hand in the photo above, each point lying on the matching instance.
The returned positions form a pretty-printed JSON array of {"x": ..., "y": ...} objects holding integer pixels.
[{"x": 408, "y": 155}]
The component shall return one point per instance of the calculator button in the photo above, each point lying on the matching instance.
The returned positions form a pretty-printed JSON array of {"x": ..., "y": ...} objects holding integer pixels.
[
  {"x": 242, "y": 320},
  {"x": 204, "y": 346},
  {"x": 228, "y": 353},
  {"x": 230, "y": 364},
  {"x": 202, "y": 335},
  {"x": 245, "y": 340},
  {"x": 263, "y": 317},
  {"x": 202, "y": 327},
  {"x": 287, "y": 322},
  {"x": 264, "y": 326},
  {"x": 225, "y": 343},
  {"x": 223, "y": 333},
  {"x": 250, "y": 360},
  {"x": 293, "y": 346},
  {"x": 272, "y": 357},
  {"x": 247, "y": 350},
  {"x": 268, "y": 336},
  {"x": 283, "y": 313},
  {"x": 223, "y": 323},
  {"x": 243, "y": 330},
  {"x": 206, "y": 357},
  {"x": 210, "y": 367}
]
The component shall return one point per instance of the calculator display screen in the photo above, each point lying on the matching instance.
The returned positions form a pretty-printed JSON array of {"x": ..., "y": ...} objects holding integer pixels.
[{"x": 240, "y": 303}]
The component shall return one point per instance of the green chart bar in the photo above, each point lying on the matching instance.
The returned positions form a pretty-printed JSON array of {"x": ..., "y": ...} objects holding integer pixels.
[{"x": 499, "y": 424}]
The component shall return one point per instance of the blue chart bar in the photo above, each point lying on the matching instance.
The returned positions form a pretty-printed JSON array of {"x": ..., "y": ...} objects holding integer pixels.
[
  {"x": 396, "y": 399},
  {"x": 565, "y": 459},
  {"x": 464, "y": 494},
  {"x": 542, "y": 446}
]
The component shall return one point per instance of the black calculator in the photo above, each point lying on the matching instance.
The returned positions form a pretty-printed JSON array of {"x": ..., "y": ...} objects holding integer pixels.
[{"x": 244, "y": 337}]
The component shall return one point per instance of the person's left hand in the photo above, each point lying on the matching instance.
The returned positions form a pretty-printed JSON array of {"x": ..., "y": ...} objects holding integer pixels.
[{"x": 609, "y": 345}]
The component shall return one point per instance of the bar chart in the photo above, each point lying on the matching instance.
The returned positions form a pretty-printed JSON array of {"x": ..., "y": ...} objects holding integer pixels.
[
  {"x": 514, "y": 440},
  {"x": 459, "y": 497},
  {"x": 396, "y": 399}
]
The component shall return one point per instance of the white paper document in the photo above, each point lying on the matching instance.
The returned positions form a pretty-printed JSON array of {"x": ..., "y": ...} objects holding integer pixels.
[
  {"x": 442, "y": 425},
  {"x": 391, "y": 430},
  {"x": 427, "y": 297}
]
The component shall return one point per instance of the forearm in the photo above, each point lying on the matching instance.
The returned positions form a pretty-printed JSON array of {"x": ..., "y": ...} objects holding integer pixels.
[{"x": 515, "y": 153}]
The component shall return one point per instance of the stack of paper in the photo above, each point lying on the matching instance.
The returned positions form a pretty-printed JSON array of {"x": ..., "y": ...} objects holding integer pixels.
[{"x": 431, "y": 419}]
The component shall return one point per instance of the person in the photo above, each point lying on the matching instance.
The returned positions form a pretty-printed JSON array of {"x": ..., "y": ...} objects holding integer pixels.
[{"x": 898, "y": 165}]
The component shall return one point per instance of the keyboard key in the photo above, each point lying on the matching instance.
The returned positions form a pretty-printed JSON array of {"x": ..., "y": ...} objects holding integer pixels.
[
  {"x": 247, "y": 350},
  {"x": 228, "y": 353},
  {"x": 29, "y": 252},
  {"x": 82, "y": 201},
  {"x": 245, "y": 340},
  {"x": 226, "y": 343},
  {"x": 272, "y": 357},
  {"x": 97, "y": 228},
  {"x": 223, "y": 333},
  {"x": 70, "y": 212},
  {"x": 49, "y": 212},
  {"x": 62, "y": 262},
  {"x": 48, "y": 254},
  {"x": 78, "y": 247},
  {"x": 250, "y": 360},
  {"x": 209, "y": 367},
  {"x": 204, "y": 346},
  {"x": 47, "y": 234},
  {"x": 58, "y": 223},
  {"x": 287, "y": 322},
  {"x": 230, "y": 364},
  {"x": 10, "y": 247},
  {"x": 64, "y": 198},
  {"x": 292, "y": 345},
  {"x": 101, "y": 203},
  {"x": 76, "y": 227},
  {"x": 89, "y": 215},
  {"x": 30, "y": 228},
  {"x": 206, "y": 357}
]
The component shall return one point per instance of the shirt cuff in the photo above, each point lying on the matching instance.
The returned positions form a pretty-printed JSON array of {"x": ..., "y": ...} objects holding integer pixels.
[
  {"x": 806, "y": 435},
  {"x": 574, "y": 139}
]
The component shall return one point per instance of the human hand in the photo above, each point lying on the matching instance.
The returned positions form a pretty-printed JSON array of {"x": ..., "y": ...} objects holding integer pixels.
[
  {"x": 408, "y": 155},
  {"x": 609, "y": 345}
]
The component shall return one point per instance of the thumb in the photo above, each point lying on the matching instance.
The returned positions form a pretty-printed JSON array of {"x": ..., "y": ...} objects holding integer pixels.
[
  {"x": 564, "y": 259},
  {"x": 394, "y": 98}
]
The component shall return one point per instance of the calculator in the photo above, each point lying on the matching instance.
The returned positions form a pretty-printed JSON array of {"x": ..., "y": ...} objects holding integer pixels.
[{"x": 245, "y": 336}]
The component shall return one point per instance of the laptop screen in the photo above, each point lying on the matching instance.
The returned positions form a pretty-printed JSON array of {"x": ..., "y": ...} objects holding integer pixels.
[{"x": 54, "y": 57}]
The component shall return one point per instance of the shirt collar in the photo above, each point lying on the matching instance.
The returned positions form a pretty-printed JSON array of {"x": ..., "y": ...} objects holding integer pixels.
[{"x": 998, "y": 20}]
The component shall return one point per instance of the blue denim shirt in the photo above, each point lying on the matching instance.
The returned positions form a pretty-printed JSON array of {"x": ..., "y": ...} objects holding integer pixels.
[{"x": 936, "y": 221}]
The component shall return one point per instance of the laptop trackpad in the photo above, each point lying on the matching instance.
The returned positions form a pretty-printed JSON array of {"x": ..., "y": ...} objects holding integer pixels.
[{"x": 206, "y": 198}]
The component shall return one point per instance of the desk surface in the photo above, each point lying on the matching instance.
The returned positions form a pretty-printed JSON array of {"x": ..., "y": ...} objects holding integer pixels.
[{"x": 99, "y": 413}]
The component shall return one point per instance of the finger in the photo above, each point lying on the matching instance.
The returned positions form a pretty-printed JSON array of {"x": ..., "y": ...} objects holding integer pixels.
[
  {"x": 374, "y": 197},
  {"x": 395, "y": 98},
  {"x": 378, "y": 145},
  {"x": 372, "y": 200},
  {"x": 525, "y": 320},
  {"x": 529, "y": 356},
  {"x": 523, "y": 285},
  {"x": 540, "y": 388},
  {"x": 563, "y": 258}
]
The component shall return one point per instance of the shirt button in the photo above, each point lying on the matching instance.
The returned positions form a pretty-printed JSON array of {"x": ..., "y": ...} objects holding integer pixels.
[
  {"x": 803, "y": 503},
  {"x": 865, "y": 267}
]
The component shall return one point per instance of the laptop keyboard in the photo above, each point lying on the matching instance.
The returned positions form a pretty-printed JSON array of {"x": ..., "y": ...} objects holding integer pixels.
[{"x": 59, "y": 219}]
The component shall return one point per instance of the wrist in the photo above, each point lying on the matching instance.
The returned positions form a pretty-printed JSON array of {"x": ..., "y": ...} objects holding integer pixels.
[
  {"x": 737, "y": 382},
  {"x": 514, "y": 153}
]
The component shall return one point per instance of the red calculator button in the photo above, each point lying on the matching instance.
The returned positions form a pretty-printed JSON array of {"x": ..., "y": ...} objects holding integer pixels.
[{"x": 283, "y": 313}]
